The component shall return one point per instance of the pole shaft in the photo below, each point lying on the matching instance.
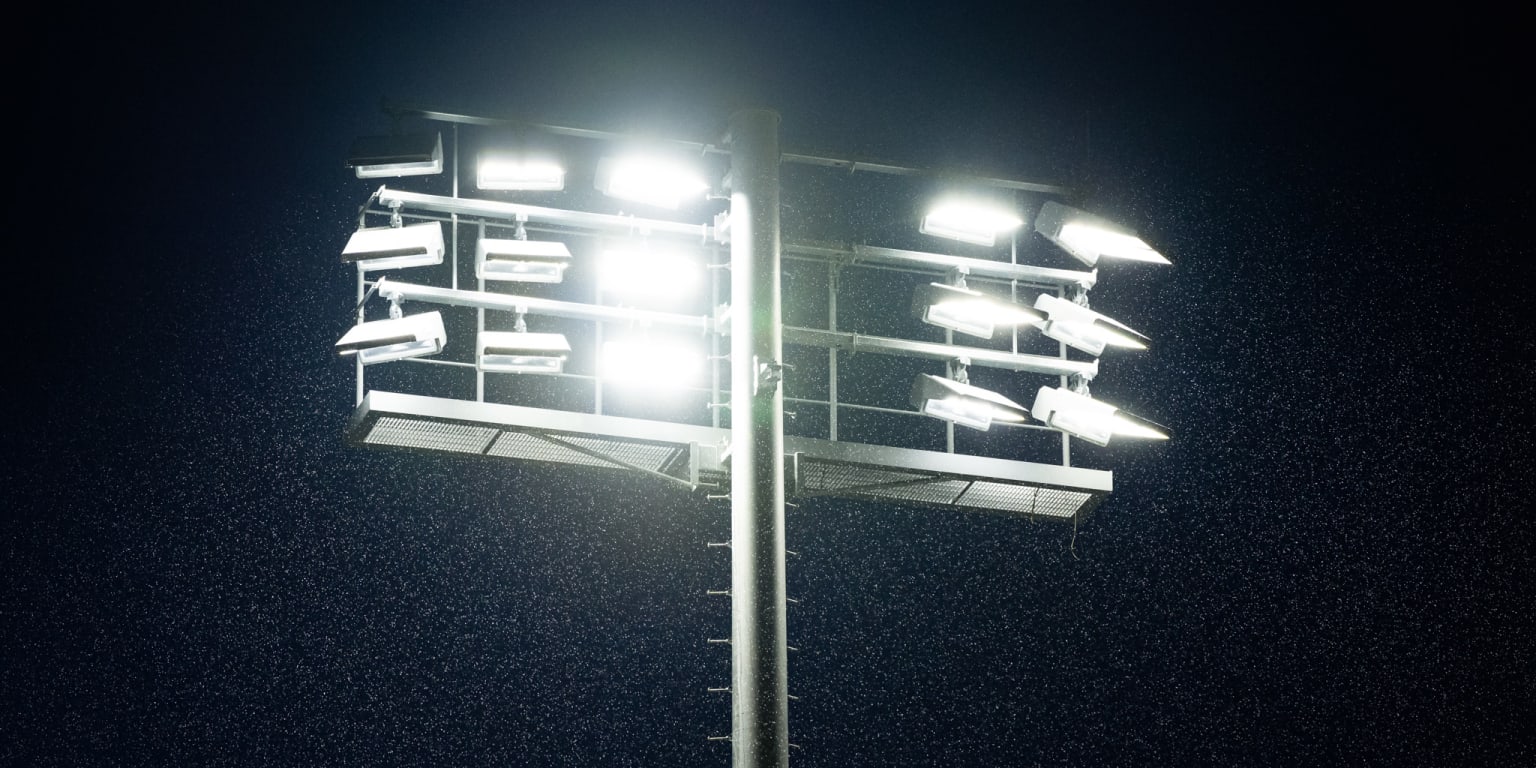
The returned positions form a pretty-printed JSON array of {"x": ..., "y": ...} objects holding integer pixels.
[{"x": 759, "y": 659}]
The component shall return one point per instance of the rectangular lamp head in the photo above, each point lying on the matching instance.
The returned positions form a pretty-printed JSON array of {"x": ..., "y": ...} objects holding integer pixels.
[
  {"x": 417, "y": 154},
  {"x": 964, "y": 404},
  {"x": 380, "y": 341},
  {"x": 969, "y": 222},
  {"x": 415, "y": 245},
  {"x": 649, "y": 180},
  {"x": 1082, "y": 328},
  {"x": 653, "y": 364},
  {"x": 970, "y": 312},
  {"x": 514, "y": 352},
  {"x": 1088, "y": 237},
  {"x": 639, "y": 273},
  {"x": 1092, "y": 420},
  {"x": 521, "y": 261},
  {"x": 508, "y": 172}
]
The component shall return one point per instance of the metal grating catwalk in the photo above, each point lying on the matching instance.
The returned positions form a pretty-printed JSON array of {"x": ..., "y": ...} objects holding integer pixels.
[{"x": 693, "y": 455}]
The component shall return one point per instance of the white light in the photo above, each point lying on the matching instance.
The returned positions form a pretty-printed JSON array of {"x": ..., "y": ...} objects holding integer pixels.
[
  {"x": 375, "y": 248},
  {"x": 1092, "y": 420},
  {"x": 525, "y": 174},
  {"x": 651, "y": 364},
  {"x": 1082, "y": 328},
  {"x": 1088, "y": 237},
  {"x": 970, "y": 222},
  {"x": 523, "y": 261},
  {"x": 641, "y": 272},
  {"x": 514, "y": 352},
  {"x": 649, "y": 180},
  {"x": 381, "y": 341},
  {"x": 964, "y": 404},
  {"x": 967, "y": 311},
  {"x": 376, "y": 157}
]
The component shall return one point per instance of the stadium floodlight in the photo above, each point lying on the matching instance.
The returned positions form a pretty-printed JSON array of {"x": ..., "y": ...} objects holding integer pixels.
[
  {"x": 1093, "y": 420},
  {"x": 527, "y": 174},
  {"x": 390, "y": 247},
  {"x": 380, "y": 341},
  {"x": 417, "y": 154},
  {"x": 639, "y": 271},
  {"x": 970, "y": 312},
  {"x": 649, "y": 180},
  {"x": 964, "y": 404},
  {"x": 651, "y": 364},
  {"x": 521, "y": 352},
  {"x": 1082, "y": 328},
  {"x": 521, "y": 261},
  {"x": 1088, "y": 237},
  {"x": 969, "y": 221}
]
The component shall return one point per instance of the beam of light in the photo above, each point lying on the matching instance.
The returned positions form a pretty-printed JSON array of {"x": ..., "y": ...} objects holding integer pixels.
[
  {"x": 969, "y": 221},
  {"x": 1093, "y": 420},
  {"x": 649, "y": 180},
  {"x": 1088, "y": 237},
  {"x": 651, "y": 364},
  {"x": 505, "y": 172}
]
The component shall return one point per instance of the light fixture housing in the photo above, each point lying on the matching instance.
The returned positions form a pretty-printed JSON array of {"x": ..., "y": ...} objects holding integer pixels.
[
  {"x": 1093, "y": 420},
  {"x": 1088, "y": 237},
  {"x": 963, "y": 404},
  {"x": 642, "y": 272},
  {"x": 373, "y": 248},
  {"x": 652, "y": 364},
  {"x": 497, "y": 171},
  {"x": 380, "y": 341},
  {"x": 521, "y": 352},
  {"x": 969, "y": 221},
  {"x": 970, "y": 312},
  {"x": 650, "y": 180},
  {"x": 1082, "y": 328},
  {"x": 416, "y": 154},
  {"x": 521, "y": 261}
]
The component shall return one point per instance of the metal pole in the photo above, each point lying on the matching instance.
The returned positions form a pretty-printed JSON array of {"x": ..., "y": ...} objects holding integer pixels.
[{"x": 759, "y": 659}]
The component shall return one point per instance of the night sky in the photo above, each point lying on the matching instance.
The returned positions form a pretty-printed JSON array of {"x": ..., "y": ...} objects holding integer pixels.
[{"x": 1332, "y": 563}]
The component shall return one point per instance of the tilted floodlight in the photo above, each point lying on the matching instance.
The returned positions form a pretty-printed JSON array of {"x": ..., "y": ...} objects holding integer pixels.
[
  {"x": 381, "y": 341},
  {"x": 1088, "y": 237},
  {"x": 651, "y": 364},
  {"x": 418, "y": 154},
  {"x": 649, "y": 180},
  {"x": 390, "y": 247},
  {"x": 514, "y": 352},
  {"x": 495, "y": 171},
  {"x": 964, "y": 404},
  {"x": 967, "y": 311},
  {"x": 969, "y": 221},
  {"x": 639, "y": 271},
  {"x": 1082, "y": 328},
  {"x": 1092, "y": 420},
  {"x": 522, "y": 261}
]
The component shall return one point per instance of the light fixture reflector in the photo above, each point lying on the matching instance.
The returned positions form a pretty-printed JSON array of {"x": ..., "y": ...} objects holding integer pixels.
[
  {"x": 381, "y": 341},
  {"x": 416, "y": 245},
  {"x": 970, "y": 312},
  {"x": 518, "y": 352},
  {"x": 969, "y": 221},
  {"x": 1082, "y": 328},
  {"x": 521, "y": 261},
  {"x": 1092, "y": 420},
  {"x": 505, "y": 172},
  {"x": 418, "y": 154},
  {"x": 649, "y": 180},
  {"x": 1088, "y": 237},
  {"x": 963, "y": 404}
]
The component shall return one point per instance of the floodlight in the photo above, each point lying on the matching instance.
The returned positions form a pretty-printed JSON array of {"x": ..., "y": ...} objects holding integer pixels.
[
  {"x": 964, "y": 404},
  {"x": 649, "y": 180},
  {"x": 495, "y": 171},
  {"x": 643, "y": 272},
  {"x": 1092, "y": 420},
  {"x": 967, "y": 311},
  {"x": 522, "y": 261},
  {"x": 380, "y": 341},
  {"x": 1082, "y": 328},
  {"x": 521, "y": 352},
  {"x": 969, "y": 221},
  {"x": 389, "y": 247},
  {"x": 1088, "y": 237},
  {"x": 651, "y": 364},
  {"x": 418, "y": 154}
]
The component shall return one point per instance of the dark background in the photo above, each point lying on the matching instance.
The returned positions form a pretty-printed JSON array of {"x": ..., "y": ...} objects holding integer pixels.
[{"x": 1331, "y": 563}]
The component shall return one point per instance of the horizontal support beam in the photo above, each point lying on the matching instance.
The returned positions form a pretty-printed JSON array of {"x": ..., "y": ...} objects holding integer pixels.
[
  {"x": 496, "y": 209},
  {"x": 941, "y": 263},
  {"x": 989, "y": 358},
  {"x": 391, "y": 289}
]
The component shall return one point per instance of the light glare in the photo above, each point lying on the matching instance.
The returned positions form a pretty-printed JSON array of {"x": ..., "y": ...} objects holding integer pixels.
[
  {"x": 530, "y": 175},
  {"x": 649, "y": 180}
]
